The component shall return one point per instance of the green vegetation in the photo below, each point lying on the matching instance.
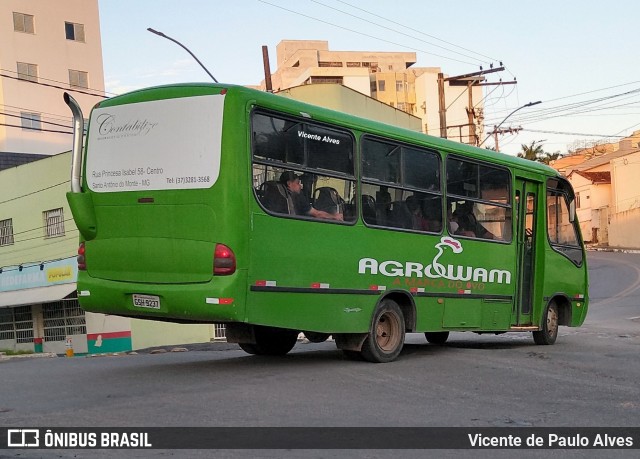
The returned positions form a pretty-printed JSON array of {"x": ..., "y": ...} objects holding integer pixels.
[{"x": 15, "y": 352}]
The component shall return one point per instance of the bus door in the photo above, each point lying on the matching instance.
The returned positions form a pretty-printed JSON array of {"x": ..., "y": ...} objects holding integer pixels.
[{"x": 526, "y": 209}]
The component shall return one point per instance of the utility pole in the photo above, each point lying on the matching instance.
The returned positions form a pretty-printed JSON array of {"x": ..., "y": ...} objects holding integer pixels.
[
  {"x": 442, "y": 107},
  {"x": 497, "y": 130},
  {"x": 469, "y": 80},
  {"x": 267, "y": 69}
]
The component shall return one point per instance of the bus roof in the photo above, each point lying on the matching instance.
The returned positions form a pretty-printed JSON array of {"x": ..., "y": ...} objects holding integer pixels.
[{"x": 292, "y": 106}]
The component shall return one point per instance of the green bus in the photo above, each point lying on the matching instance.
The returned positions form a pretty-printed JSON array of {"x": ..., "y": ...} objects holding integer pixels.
[{"x": 210, "y": 203}]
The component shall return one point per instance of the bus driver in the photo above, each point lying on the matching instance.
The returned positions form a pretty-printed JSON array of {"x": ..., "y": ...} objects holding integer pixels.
[{"x": 300, "y": 204}]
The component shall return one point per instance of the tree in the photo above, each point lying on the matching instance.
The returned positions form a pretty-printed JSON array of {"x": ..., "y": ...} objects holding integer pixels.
[
  {"x": 532, "y": 152},
  {"x": 548, "y": 157}
]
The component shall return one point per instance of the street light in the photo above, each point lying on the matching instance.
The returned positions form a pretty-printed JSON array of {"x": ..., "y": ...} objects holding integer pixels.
[
  {"x": 495, "y": 129},
  {"x": 185, "y": 48}
]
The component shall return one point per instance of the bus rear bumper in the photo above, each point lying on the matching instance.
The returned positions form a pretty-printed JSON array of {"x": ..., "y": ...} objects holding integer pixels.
[{"x": 219, "y": 300}]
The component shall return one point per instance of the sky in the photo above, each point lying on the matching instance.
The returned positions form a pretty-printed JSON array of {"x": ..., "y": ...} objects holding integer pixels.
[{"x": 580, "y": 58}]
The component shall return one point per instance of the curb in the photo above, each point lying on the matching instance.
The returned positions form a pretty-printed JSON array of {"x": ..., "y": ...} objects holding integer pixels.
[
  {"x": 43, "y": 355},
  {"x": 612, "y": 249}
]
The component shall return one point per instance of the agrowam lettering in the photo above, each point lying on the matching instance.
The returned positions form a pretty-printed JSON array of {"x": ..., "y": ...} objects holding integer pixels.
[
  {"x": 435, "y": 269},
  {"x": 391, "y": 268}
]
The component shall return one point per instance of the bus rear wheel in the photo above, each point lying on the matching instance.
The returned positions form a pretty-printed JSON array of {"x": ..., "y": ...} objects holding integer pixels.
[
  {"x": 549, "y": 332},
  {"x": 271, "y": 341},
  {"x": 386, "y": 337},
  {"x": 436, "y": 337}
]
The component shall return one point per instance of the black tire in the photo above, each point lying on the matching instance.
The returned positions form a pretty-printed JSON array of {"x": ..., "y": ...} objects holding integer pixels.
[
  {"x": 249, "y": 348},
  {"x": 271, "y": 341},
  {"x": 436, "y": 337},
  {"x": 316, "y": 337},
  {"x": 549, "y": 332},
  {"x": 386, "y": 337}
]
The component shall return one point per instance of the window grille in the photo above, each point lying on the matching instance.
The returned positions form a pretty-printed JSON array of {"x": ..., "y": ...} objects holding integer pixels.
[
  {"x": 62, "y": 319},
  {"x": 23, "y": 23},
  {"x": 6, "y": 232},
  {"x": 53, "y": 223},
  {"x": 219, "y": 332},
  {"x": 7, "y": 329},
  {"x": 17, "y": 323}
]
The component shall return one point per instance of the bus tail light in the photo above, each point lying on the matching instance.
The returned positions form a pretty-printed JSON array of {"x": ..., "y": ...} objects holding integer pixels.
[
  {"x": 224, "y": 261},
  {"x": 82, "y": 262}
]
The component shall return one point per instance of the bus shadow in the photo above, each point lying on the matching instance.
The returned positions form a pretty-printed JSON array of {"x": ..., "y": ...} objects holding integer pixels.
[{"x": 318, "y": 356}]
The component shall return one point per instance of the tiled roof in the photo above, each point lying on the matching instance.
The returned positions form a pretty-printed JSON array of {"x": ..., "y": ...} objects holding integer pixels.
[{"x": 595, "y": 177}]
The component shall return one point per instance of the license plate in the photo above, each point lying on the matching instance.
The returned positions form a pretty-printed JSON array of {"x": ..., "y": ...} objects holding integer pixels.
[{"x": 146, "y": 301}]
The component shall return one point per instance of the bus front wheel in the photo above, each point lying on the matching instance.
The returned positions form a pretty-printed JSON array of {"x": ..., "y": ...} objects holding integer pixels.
[
  {"x": 549, "y": 331},
  {"x": 386, "y": 337},
  {"x": 271, "y": 341}
]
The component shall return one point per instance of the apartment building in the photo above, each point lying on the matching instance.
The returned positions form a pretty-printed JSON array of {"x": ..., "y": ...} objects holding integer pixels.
[
  {"x": 388, "y": 77},
  {"x": 48, "y": 47}
]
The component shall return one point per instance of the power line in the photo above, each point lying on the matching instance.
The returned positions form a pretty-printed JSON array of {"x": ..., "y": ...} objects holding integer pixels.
[
  {"x": 365, "y": 34},
  {"x": 31, "y": 119},
  {"x": 392, "y": 30},
  {"x": 418, "y": 31},
  {"x": 35, "y": 129},
  {"x": 65, "y": 88},
  {"x": 569, "y": 133},
  {"x": 34, "y": 192}
]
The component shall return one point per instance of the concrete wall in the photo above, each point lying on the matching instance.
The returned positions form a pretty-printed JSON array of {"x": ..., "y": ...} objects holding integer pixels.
[
  {"x": 346, "y": 100},
  {"x": 623, "y": 229},
  {"x": 26, "y": 192}
]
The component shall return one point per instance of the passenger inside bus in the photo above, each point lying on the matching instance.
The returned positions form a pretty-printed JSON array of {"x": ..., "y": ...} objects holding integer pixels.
[
  {"x": 467, "y": 223},
  {"x": 301, "y": 206}
]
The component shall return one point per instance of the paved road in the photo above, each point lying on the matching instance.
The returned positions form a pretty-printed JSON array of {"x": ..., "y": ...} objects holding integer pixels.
[{"x": 589, "y": 378}]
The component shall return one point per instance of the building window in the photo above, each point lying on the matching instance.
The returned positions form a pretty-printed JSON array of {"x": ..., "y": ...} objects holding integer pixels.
[
  {"x": 31, "y": 121},
  {"x": 23, "y": 23},
  {"x": 27, "y": 71},
  {"x": 78, "y": 79},
  {"x": 399, "y": 86},
  {"x": 373, "y": 66},
  {"x": 354, "y": 64},
  {"x": 6, "y": 232},
  {"x": 315, "y": 80},
  {"x": 62, "y": 319},
  {"x": 577, "y": 200},
  {"x": 381, "y": 85},
  {"x": 329, "y": 64},
  {"x": 74, "y": 32},
  {"x": 53, "y": 223}
]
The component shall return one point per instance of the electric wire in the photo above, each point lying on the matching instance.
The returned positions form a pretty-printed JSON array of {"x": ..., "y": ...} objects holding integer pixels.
[
  {"x": 365, "y": 34},
  {"x": 396, "y": 31}
]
